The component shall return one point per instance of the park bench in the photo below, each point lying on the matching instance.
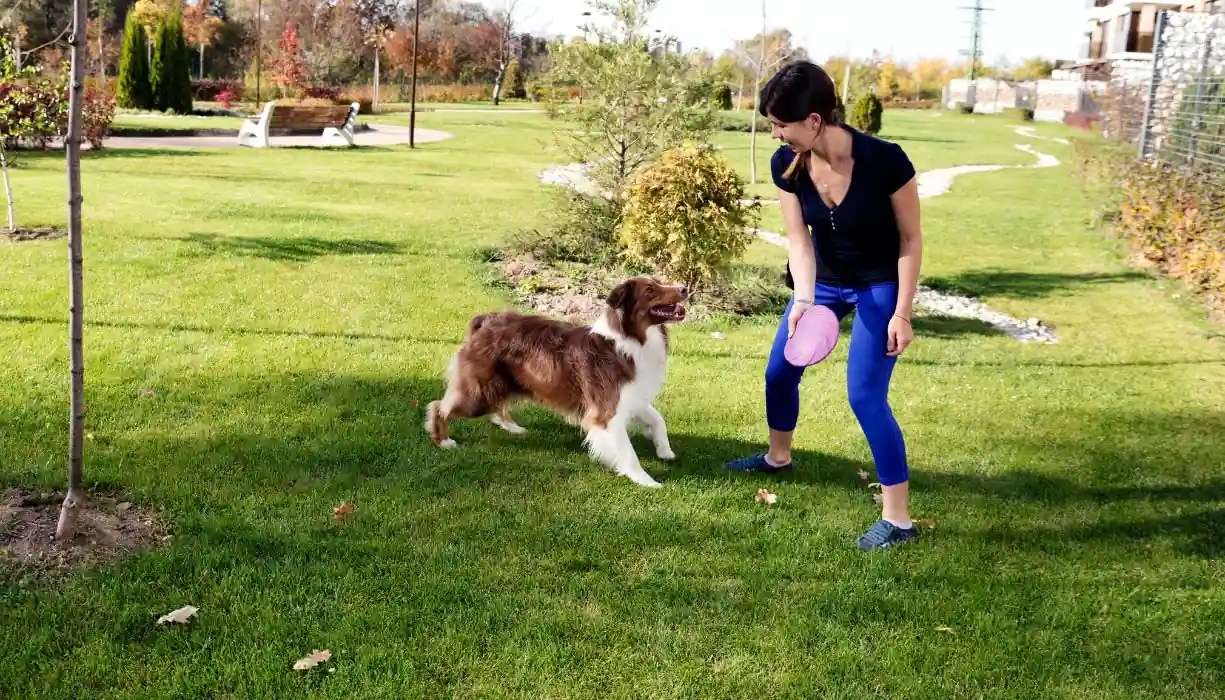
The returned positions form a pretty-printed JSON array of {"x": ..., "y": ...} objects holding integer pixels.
[{"x": 336, "y": 122}]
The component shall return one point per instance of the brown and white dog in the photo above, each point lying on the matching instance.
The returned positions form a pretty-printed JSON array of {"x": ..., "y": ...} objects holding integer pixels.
[{"x": 603, "y": 376}]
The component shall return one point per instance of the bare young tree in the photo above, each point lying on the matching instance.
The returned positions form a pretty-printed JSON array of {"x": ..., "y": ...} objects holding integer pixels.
[
  {"x": 69, "y": 512},
  {"x": 763, "y": 55},
  {"x": 505, "y": 22}
]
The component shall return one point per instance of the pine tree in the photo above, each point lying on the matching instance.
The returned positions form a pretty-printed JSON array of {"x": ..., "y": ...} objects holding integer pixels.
[
  {"x": 172, "y": 67},
  {"x": 135, "y": 90}
]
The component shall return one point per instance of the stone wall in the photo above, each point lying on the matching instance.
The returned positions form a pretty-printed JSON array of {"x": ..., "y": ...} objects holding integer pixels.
[
  {"x": 1051, "y": 100},
  {"x": 1192, "y": 45}
]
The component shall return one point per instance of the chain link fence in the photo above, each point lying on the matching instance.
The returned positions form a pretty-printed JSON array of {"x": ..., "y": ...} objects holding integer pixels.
[{"x": 1173, "y": 107}]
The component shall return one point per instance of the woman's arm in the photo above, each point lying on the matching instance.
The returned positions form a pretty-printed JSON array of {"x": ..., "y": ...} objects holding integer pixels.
[
  {"x": 906, "y": 209},
  {"x": 800, "y": 256}
]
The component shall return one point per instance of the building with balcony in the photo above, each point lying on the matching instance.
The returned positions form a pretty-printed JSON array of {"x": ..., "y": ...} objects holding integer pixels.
[{"x": 1121, "y": 34}]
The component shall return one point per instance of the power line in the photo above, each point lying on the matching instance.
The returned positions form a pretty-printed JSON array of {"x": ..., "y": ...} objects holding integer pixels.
[{"x": 976, "y": 37}]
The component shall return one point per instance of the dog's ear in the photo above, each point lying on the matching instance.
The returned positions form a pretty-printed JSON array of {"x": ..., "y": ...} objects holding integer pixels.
[{"x": 620, "y": 296}]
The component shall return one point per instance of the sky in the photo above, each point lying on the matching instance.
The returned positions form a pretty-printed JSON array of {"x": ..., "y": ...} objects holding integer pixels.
[{"x": 906, "y": 29}]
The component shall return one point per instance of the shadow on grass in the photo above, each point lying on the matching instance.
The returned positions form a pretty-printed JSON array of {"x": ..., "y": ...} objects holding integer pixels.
[
  {"x": 128, "y": 153},
  {"x": 696, "y": 351},
  {"x": 1022, "y": 285},
  {"x": 301, "y": 249},
  {"x": 304, "y": 434},
  {"x": 945, "y": 327},
  {"x": 213, "y": 330}
]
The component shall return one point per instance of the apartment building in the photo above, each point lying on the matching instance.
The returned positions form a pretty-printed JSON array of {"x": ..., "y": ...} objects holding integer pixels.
[{"x": 1125, "y": 30}]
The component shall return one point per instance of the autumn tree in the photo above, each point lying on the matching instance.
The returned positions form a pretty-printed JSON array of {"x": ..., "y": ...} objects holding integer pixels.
[
  {"x": 887, "y": 79},
  {"x": 201, "y": 28},
  {"x": 1033, "y": 69},
  {"x": 930, "y": 75},
  {"x": 288, "y": 66}
]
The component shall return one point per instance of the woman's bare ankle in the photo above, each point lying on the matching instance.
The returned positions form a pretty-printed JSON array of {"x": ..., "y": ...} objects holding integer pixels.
[{"x": 776, "y": 460}]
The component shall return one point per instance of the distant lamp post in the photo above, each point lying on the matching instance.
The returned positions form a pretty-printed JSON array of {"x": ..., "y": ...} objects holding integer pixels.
[
  {"x": 412, "y": 108},
  {"x": 259, "y": 44}
]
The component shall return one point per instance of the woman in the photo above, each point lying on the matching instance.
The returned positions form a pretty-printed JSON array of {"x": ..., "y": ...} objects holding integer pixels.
[{"x": 859, "y": 196}]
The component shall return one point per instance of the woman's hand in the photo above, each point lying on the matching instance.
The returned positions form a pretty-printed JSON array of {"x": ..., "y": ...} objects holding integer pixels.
[
  {"x": 798, "y": 308},
  {"x": 901, "y": 335}
]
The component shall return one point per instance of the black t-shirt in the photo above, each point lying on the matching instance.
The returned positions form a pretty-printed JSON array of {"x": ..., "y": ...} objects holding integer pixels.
[{"x": 857, "y": 243}]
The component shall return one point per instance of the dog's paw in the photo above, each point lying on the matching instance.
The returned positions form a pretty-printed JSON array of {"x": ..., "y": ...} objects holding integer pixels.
[
  {"x": 665, "y": 454},
  {"x": 644, "y": 480},
  {"x": 448, "y": 444},
  {"x": 508, "y": 425}
]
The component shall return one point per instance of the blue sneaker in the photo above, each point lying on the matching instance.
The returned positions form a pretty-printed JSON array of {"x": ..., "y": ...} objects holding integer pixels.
[
  {"x": 756, "y": 463},
  {"x": 885, "y": 535}
]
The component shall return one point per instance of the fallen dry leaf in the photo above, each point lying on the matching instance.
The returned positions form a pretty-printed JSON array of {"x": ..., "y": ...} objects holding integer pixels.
[
  {"x": 341, "y": 511},
  {"x": 89, "y": 436},
  {"x": 878, "y": 499},
  {"x": 717, "y": 335},
  {"x": 764, "y": 496},
  {"x": 312, "y": 660},
  {"x": 123, "y": 506},
  {"x": 146, "y": 392},
  {"x": 874, "y": 485},
  {"x": 930, "y": 524},
  {"x": 863, "y": 478},
  {"x": 415, "y": 404},
  {"x": 946, "y": 630},
  {"x": 181, "y": 616}
]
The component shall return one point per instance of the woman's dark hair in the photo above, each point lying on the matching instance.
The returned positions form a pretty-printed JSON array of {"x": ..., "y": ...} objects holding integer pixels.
[{"x": 797, "y": 90}]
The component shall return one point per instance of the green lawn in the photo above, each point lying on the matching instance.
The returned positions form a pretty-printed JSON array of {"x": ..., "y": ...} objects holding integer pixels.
[
  {"x": 293, "y": 309},
  {"x": 130, "y": 121}
]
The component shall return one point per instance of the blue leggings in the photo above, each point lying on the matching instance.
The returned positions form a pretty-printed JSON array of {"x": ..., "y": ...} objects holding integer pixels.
[{"x": 867, "y": 374}]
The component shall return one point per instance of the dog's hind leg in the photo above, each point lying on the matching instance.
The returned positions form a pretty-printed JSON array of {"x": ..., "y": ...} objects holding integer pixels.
[
  {"x": 502, "y": 419},
  {"x": 465, "y": 398}
]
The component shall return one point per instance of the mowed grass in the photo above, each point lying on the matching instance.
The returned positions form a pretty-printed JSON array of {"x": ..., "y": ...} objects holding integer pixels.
[{"x": 292, "y": 311}]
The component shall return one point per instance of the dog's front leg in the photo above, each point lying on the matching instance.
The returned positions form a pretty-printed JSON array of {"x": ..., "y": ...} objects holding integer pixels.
[
  {"x": 657, "y": 430},
  {"x": 611, "y": 445}
]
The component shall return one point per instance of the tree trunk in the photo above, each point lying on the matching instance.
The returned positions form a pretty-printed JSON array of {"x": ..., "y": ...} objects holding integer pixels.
[
  {"x": 67, "y": 527},
  {"x": 101, "y": 55},
  {"x": 201, "y": 61},
  {"x": 412, "y": 108},
  {"x": 374, "y": 103},
  {"x": 8, "y": 189},
  {"x": 761, "y": 59}
]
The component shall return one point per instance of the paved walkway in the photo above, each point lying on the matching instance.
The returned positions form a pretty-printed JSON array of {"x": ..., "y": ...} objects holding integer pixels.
[{"x": 377, "y": 135}]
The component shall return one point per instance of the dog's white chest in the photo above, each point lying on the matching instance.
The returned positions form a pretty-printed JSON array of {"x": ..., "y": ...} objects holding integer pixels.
[{"x": 650, "y": 365}]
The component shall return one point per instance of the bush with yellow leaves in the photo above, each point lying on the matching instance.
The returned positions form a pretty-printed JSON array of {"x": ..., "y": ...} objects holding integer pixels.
[{"x": 683, "y": 215}]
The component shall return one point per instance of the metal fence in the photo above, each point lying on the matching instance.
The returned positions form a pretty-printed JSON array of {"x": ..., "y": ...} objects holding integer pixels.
[{"x": 1173, "y": 107}]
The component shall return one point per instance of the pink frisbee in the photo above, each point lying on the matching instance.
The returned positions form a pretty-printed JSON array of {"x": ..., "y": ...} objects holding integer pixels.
[{"x": 814, "y": 339}]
